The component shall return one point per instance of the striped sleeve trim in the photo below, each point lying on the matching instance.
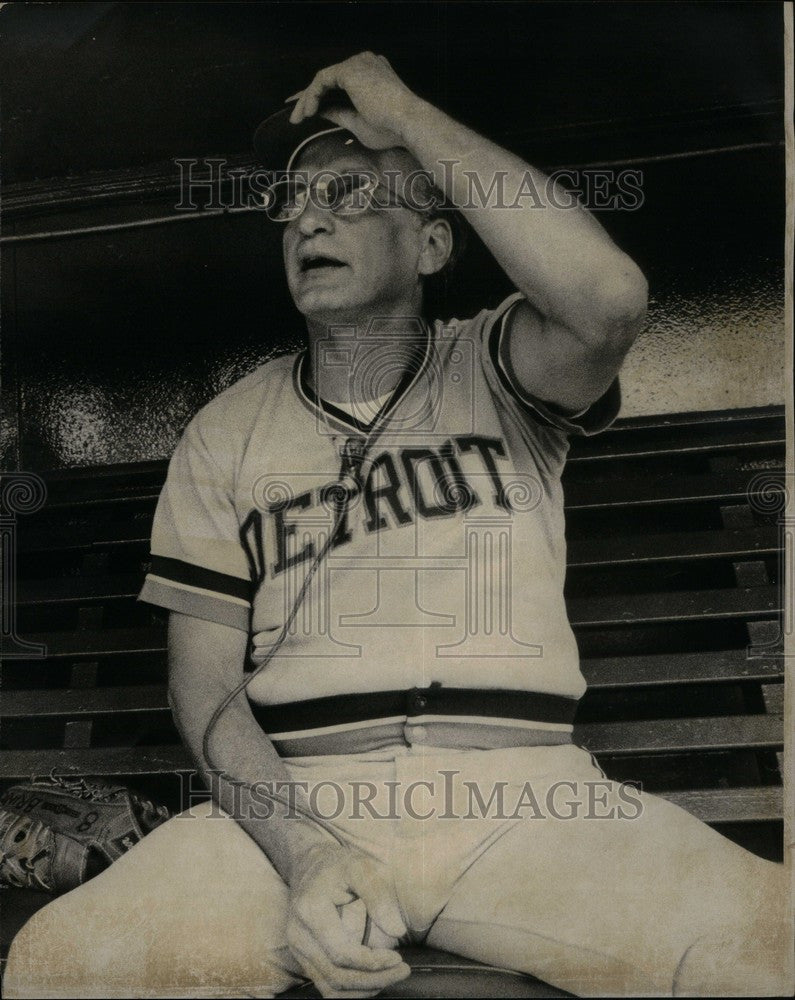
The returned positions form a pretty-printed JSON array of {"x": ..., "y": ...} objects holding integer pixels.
[
  {"x": 200, "y": 578},
  {"x": 198, "y": 604},
  {"x": 197, "y": 591},
  {"x": 593, "y": 419}
]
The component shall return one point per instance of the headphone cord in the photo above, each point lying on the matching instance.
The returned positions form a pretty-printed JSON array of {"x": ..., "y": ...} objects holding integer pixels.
[{"x": 340, "y": 493}]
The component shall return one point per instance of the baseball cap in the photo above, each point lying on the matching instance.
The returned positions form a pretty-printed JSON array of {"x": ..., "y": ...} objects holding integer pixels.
[{"x": 277, "y": 142}]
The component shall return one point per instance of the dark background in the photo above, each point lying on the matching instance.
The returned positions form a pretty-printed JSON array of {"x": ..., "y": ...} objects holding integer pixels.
[{"x": 112, "y": 341}]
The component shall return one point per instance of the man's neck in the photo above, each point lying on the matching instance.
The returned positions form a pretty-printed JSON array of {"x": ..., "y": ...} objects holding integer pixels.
[{"x": 359, "y": 362}]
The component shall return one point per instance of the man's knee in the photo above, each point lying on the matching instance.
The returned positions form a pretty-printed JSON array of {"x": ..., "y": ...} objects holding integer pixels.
[
  {"x": 753, "y": 960},
  {"x": 57, "y": 955},
  {"x": 46, "y": 948}
]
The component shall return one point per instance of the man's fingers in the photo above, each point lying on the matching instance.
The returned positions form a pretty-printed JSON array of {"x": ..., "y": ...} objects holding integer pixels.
[
  {"x": 324, "y": 80},
  {"x": 324, "y": 925},
  {"x": 353, "y": 982},
  {"x": 379, "y": 898},
  {"x": 322, "y": 969},
  {"x": 386, "y": 914},
  {"x": 344, "y": 117},
  {"x": 309, "y": 101}
]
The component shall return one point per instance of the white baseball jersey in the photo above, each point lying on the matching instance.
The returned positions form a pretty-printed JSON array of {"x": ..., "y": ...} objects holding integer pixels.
[{"x": 441, "y": 596}]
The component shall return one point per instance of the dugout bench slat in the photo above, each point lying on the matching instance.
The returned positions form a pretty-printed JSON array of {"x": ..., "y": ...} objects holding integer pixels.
[
  {"x": 608, "y": 673},
  {"x": 674, "y": 546},
  {"x": 671, "y": 435},
  {"x": 678, "y": 606},
  {"x": 100, "y": 761},
  {"x": 91, "y": 643},
  {"x": 84, "y": 701},
  {"x": 680, "y": 735},
  {"x": 660, "y": 489},
  {"x": 750, "y": 805},
  {"x": 619, "y": 671},
  {"x": 663, "y": 546},
  {"x": 666, "y": 489},
  {"x": 723, "y": 665},
  {"x": 668, "y": 444},
  {"x": 86, "y": 536},
  {"x": 753, "y": 602}
]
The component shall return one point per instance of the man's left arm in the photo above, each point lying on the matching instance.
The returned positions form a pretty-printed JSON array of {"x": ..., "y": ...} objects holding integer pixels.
[{"x": 585, "y": 300}]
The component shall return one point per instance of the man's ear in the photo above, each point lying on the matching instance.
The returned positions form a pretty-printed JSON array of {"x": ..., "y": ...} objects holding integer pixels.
[{"x": 437, "y": 246}]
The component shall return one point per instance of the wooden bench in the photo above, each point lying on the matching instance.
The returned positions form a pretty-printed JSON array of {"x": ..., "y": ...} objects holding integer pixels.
[{"x": 673, "y": 551}]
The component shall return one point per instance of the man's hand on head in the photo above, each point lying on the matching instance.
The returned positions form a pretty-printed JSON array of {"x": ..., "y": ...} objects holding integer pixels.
[
  {"x": 381, "y": 102},
  {"x": 321, "y": 934}
]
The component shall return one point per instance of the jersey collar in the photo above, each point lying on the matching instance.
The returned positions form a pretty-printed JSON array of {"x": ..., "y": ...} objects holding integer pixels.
[{"x": 345, "y": 422}]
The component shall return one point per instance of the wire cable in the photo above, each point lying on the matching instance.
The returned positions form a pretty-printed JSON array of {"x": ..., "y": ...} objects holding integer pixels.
[{"x": 341, "y": 503}]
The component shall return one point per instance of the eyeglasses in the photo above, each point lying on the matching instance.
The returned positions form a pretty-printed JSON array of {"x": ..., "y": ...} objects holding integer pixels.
[{"x": 341, "y": 194}]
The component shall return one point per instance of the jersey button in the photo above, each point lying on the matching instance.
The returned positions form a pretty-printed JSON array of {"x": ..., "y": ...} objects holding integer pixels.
[
  {"x": 417, "y": 734},
  {"x": 416, "y": 700}
]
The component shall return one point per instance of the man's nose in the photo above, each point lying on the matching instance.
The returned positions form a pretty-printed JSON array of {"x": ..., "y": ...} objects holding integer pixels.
[{"x": 315, "y": 219}]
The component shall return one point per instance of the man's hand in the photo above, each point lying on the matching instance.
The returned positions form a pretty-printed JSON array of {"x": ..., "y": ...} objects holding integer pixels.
[
  {"x": 382, "y": 103},
  {"x": 323, "y": 881}
]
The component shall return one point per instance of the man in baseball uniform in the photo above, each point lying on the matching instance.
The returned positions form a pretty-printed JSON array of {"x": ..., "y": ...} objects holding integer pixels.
[{"x": 362, "y": 550}]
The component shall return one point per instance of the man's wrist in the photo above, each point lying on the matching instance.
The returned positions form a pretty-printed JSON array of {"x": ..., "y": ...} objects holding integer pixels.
[
  {"x": 416, "y": 122},
  {"x": 307, "y": 856}
]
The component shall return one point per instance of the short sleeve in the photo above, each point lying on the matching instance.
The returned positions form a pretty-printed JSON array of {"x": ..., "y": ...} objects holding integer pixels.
[
  {"x": 595, "y": 418},
  {"x": 199, "y": 566}
]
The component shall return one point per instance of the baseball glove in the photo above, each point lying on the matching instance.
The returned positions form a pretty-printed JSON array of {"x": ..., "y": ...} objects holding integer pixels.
[{"x": 56, "y": 833}]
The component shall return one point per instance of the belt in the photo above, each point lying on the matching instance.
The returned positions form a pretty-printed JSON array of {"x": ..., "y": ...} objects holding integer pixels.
[{"x": 481, "y": 718}]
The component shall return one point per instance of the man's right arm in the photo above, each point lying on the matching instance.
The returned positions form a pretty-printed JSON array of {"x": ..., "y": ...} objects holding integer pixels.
[{"x": 205, "y": 664}]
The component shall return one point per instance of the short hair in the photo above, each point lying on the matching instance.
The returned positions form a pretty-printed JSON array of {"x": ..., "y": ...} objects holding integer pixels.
[
  {"x": 431, "y": 202},
  {"x": 460, "y": 232},
  {"x": 436, "y": 286}
]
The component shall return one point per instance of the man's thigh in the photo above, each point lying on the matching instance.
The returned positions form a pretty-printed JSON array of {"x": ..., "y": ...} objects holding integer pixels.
[
  {"x": 194, "y": 908},
  {"x": 607, "y": 905}
]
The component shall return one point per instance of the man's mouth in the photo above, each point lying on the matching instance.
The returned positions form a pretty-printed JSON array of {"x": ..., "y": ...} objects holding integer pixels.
[{"x": 317, "y": 262}]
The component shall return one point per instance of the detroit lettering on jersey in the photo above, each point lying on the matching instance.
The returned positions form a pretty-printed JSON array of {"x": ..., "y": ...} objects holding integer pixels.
[
  {"x": 399, "y": 487},
  {"x": 448, "y": 563}
]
